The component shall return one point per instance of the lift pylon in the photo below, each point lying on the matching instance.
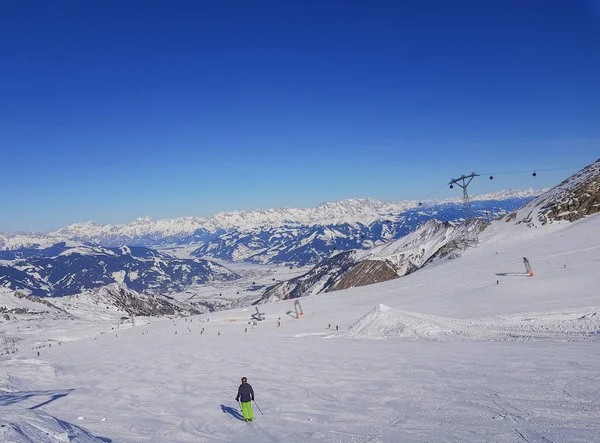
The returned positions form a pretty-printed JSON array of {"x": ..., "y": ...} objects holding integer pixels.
[{"x": 469, "y": 231}]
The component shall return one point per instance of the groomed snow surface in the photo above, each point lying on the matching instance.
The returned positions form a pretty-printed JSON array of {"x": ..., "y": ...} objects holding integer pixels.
[{"x": 470, "y": 350}]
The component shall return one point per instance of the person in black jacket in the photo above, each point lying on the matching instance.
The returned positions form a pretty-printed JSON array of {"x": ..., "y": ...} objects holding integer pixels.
[{"x": 246, "y": 394}]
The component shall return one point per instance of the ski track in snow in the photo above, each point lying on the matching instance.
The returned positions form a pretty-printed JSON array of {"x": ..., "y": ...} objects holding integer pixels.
[{"x": 444, "y": 354}]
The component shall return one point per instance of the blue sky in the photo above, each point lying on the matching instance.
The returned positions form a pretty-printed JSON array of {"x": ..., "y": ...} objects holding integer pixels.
[{"x": 114, "y": 110}]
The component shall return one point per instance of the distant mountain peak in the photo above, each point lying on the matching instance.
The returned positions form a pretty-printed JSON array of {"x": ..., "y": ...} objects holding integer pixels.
[{"x": 355, "y": 213}]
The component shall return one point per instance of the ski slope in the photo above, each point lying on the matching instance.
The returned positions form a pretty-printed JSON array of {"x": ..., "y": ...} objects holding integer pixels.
[{"x": 468, "y": 350}]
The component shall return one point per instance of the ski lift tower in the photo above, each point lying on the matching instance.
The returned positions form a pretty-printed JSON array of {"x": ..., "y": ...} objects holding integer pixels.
[{"x": 470, "y": 236}]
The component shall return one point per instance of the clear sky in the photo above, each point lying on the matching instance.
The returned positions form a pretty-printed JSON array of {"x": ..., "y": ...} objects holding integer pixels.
[{"x": 112, "y": 110}]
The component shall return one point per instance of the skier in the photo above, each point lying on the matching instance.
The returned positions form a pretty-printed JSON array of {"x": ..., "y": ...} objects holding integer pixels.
[{"x": 246, "y": 394}]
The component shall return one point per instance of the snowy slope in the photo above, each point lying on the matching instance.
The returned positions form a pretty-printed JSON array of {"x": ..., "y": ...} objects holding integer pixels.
[{"x": 451, "y": 356}]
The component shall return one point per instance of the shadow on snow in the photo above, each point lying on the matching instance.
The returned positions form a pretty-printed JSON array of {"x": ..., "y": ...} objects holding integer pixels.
[
  {"x": 17, "y": 397},
  {"x": 232, "y": 412}
]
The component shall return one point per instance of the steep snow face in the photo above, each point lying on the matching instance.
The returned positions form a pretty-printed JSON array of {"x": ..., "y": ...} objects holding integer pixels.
[
  {"x": 413, "y": 251},
  {"x": 574, "y": 198}
]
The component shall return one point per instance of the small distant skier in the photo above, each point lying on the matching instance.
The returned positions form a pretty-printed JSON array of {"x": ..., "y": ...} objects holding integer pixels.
[
  {"x": 336, "y": 327},
  {"x": 246, "y": 395},
  {"x": 278, "y": 323},
  {"x": 497, "y": 282}
]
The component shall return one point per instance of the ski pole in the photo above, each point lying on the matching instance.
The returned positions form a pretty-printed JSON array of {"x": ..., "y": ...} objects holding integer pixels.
[
  {"x": 240, "y": 405},
  {"x": 258, "y": 408}
]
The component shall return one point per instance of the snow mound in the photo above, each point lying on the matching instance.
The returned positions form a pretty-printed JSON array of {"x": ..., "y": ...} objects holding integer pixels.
[
  {"x": 29, "y": 372},
  {"x": 384, "y": 323},
  {"x": 36, "y": 426}
]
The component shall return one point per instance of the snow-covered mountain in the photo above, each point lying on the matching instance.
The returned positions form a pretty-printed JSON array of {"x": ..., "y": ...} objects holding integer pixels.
[
  {"x": 395, "y": 259},
  {"x": 111, "y": 302},
  {"x": 574, "y": 198},
  {"x": 10, "y": 241},
  {"x": 115, "y": 299},
  {"x": 515, "y": 361},
  {"x": 308, "y": 244},
  {"x": 64, "y": 270},
  {"x": 186, "y": 230}
]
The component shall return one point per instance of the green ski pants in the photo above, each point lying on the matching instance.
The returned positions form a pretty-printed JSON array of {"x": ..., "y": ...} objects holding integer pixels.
[{"x": 247, "y": 410}]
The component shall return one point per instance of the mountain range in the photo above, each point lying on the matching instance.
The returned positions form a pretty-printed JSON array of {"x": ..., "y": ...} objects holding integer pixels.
[
  {"x": 347, "y": 243},
  {"x": 276, "y": 236},
  {"x": 576, "y": 197}
]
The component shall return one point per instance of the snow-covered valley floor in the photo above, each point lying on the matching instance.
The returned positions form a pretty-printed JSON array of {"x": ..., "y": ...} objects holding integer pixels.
[{"x": 470, "y": 350}]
